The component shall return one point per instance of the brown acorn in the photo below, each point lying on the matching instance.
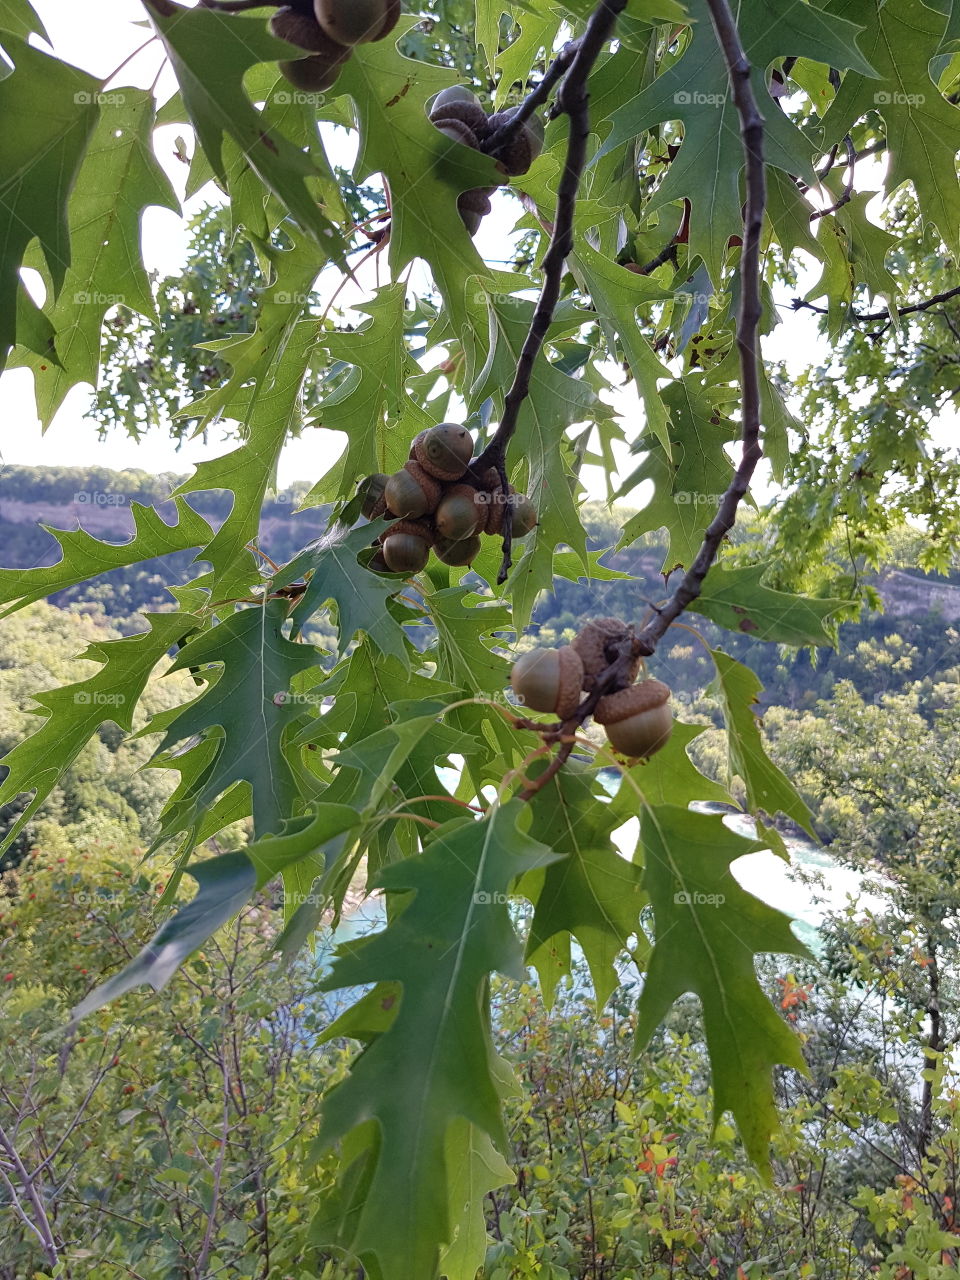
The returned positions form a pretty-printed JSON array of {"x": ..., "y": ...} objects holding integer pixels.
[
  {"x": 411, "y": 492},
  {"x": 524, "y": 515},
  {"x": 495, "y": 510},
  {"x": 405, "y": 553},
  {"x": 303, "y": 30},
  {"x": 315, "y": 74},
  {"x": 417, "y": 528},
  {"x": 460, "y": 514},
  {"x": 458, "y": 132},
  {"x": 352, "y": 22},
  {"x": 525, "y": 145},
  {"x": 591, "y": 642},
  {"x": 464, "y": 107},
  {"x": 463, "y": 552},
  {"x": 373, "y": 503},
  {"x": 549, "y": 680},
  {"x": 444, "y": 450},
  {"x": 637, "y": 720}
]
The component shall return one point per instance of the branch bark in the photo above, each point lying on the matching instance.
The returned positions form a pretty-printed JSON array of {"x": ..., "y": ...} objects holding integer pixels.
[
  {"x": 748, "y": 325},
  {"x": 572, "y": 101}
]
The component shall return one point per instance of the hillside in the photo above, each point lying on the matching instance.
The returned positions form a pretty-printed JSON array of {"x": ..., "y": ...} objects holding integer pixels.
[{"x": 911, "y": 638}]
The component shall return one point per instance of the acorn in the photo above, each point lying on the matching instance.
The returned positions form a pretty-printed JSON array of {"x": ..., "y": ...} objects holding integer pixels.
[
  {"x": 406, "y": 547},
  {"x": 524, "y": 515},
  {"x": 458, "y": 103},
  {"x": 444, "y": 450},
  {"x": 473, "y": 206},
  {"x": 591, "y": 646},
  {"x": 352, "y": 22},
  {"x": 458, "y": 132},
  {"x": 462, "y": 552},
  {"x": 637, "y": 720},
  {"x": 525, "y": 145},
  {"x": 411, "y": 492},
  {"x": 373, "y": 503},
  {"x": 549, "y": 680},
  {"x": 315, "y": 74},
  {"x": 303, "y": 30},
  {"x": 460, "y": 513}
]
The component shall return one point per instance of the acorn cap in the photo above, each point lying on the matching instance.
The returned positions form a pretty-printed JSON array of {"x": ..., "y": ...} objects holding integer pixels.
[
  {"x": 592, "y": 639},
  {"x": 419, "y": 528},
  {"x": 522, "y": 149},
  {"x": 430, "y": 487},
  {"x": 632, "y": 701},
  {"x": 305, "y": 32},
  {"x": 458, "y": 132},
  {"x": 495, "y": 510},
  {"x": 357, "y": 21},
  {"x": 444, "y": 450},
  {"x": 464, "y": 112}
]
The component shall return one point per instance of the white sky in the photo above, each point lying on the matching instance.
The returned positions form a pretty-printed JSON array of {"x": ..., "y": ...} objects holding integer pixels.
[{"x": 100, "y": 44}]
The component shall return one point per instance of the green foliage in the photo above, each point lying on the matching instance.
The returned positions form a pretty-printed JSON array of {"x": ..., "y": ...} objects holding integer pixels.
[{"x": 395, "y": 756}]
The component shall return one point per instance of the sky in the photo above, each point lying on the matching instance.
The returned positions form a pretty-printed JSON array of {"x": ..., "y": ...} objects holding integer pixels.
[{"x": 100, "y": 44}]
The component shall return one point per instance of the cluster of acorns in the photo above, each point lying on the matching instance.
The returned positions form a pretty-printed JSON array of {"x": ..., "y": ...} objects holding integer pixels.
[
  {"x": 637, "y": 719},
  {"x": 437, "y": 506},
  {"x": 459, "y": 115},
  {"x": 328, "y": 30}
]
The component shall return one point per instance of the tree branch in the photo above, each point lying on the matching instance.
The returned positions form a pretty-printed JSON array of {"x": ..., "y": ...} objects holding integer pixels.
[
  {"x": 557, "y": 68},
  {"x": 748, "y": 324},
  {"x": 573, "y": 101},
  {"x": 801, "y": 304}
]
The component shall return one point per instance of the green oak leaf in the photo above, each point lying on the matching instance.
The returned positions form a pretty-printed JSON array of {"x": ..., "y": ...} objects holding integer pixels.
[
  {"x": 119, "y": 178},
  {"x": 85, "y": 557},
  {"x": 669, "y": 777},
  {"x": 371, "y": 407},
  {"x": 210, "y": 53},
  {"x": 432, "y": 1065},
  {"x": 424, "y": 170},
  {"x": 224, "y": 885},
  {"x": 768, "y": 788},
  {"x": 49, "y": 112},
  {"x": 690, "y": 480},
  {"x": 262, "y": 393},
  {"x": 735, "y": 598},
  {"x": 465, "y": 654},
  {"x": 696, "y": 91},
  {"x": 707, "y": 932},
  {"x": 75, "y": 712},
  {"x": 556, "y": 402},
  {"x": 332, "y": 572},
  {"x": 19, "y": 18},
  {"x": 247, "y": 708},
  {"x": 922, "y": 127},
  {"x": 592, "y": 894},
  {"x": 474, "y": 1167}
]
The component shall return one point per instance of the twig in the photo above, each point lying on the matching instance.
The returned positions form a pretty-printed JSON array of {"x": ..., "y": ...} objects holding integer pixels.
[
  {"x": 748, "y": 324},
  {"x": 507, "y": 131},
  {"x": 573, "y": 101},
  {"x": 801, "y": 304},
  {"x": 40, "y": 1223},
  {"x": 668, "y": 254},
  {"x": 847, "y": 195}
]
